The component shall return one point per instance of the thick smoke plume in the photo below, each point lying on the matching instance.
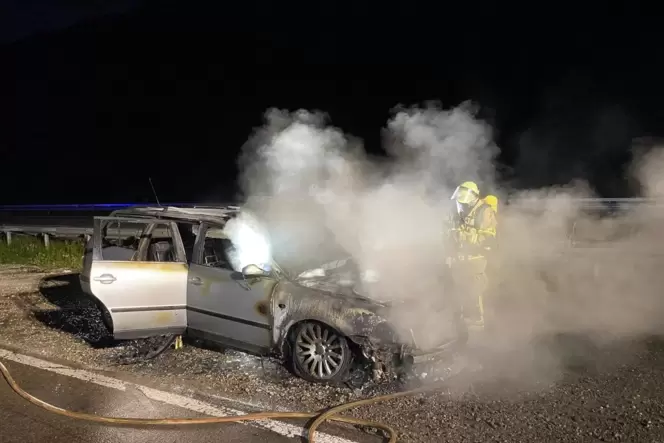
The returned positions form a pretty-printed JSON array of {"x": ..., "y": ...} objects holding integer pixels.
[{"x": 324, "y": 198}]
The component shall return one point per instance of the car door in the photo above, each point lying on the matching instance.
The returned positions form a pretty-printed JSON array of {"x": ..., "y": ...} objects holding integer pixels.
[
  {"x": 140, "y": 276},
  {"x": 221, "y": 304}
]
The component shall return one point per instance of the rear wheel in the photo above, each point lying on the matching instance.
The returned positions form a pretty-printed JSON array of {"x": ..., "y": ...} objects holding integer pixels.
[{"x": 320, "y": 354}]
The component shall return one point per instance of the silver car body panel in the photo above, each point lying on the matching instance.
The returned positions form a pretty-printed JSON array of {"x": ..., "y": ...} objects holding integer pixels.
[
  {"x": 225, "y": 305},
  {"x": 221, "y": 303},
  {"x": 144, "y": 298}
]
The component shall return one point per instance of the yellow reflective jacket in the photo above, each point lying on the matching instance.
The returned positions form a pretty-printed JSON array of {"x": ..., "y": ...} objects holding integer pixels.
[{"x": 477, "y": 230}]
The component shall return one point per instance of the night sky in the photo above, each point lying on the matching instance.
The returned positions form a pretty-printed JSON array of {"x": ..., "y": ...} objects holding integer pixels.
[{"x": 97, "y": 96}]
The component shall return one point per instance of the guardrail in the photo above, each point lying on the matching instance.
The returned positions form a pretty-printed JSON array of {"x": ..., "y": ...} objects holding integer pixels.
[
  {"x": 79, "y": 226},
  {"x": 91, "y": 207},
  {"x": 46, "y": 232},
  {"x": 14, "y": 220}
]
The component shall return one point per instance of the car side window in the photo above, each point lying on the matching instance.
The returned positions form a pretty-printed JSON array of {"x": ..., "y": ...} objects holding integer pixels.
[
  {"x": 120, "y": 240},
  {"x": 157, "y": 244},
  {"x": 137, "y": 241},
  {"x": 217, "y": 250}
]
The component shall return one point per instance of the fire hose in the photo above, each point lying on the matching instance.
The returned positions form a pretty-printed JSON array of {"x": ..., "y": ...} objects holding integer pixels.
[{"x": 331, "y": 414}]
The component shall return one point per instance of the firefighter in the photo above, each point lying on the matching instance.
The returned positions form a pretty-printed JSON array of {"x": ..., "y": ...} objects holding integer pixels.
[
  {"x": 475, "y": 234},
  {"x": 492, "y": 201}
]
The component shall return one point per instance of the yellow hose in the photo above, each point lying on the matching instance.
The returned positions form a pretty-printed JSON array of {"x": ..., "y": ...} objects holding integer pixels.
[{"x": 330, "y": 414}]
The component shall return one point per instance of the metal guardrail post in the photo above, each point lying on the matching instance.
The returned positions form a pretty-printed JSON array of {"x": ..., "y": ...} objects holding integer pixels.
[
  {"x": 47, "y": 241},
  {"x": 9, "y": 237}
]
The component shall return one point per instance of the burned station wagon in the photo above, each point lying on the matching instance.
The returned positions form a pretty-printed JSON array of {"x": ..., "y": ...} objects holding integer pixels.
[{"x": 168, "y": 271}]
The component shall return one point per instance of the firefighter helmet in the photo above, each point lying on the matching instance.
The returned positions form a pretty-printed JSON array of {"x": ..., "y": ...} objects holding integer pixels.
[{"x": 466, "y": 193}]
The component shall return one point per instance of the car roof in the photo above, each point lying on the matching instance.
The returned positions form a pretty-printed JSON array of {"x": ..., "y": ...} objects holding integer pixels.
[{"x": 213, "y": 214}]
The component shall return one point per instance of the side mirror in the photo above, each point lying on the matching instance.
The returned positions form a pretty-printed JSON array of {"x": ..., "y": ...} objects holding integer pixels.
[{"x": 254, "y": 271}]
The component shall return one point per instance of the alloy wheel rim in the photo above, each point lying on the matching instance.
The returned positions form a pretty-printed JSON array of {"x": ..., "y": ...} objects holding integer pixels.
[{"x": 319, "y": 351}]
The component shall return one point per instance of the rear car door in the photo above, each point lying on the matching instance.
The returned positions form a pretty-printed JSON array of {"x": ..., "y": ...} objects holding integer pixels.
[
  {"x": 222, "y": 305},
  {"x": 139, "y": 273}
]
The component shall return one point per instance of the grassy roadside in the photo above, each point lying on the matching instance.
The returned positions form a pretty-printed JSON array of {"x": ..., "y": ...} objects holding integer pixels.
[{"x": 28, "y": 250}]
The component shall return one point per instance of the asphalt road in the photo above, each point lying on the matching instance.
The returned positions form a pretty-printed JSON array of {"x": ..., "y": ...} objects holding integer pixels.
[{"x": 23, "y": 422}]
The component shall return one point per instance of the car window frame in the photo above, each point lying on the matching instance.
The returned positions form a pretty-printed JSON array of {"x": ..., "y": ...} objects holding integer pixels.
[
  {"x": 197, "y": 257},
  {"x": 150, "y": 224},
  {"x": 191, "y": 224}
]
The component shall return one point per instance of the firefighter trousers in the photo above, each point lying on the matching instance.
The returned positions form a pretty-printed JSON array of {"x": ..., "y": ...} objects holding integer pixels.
[{"x": 471, "y": 284}]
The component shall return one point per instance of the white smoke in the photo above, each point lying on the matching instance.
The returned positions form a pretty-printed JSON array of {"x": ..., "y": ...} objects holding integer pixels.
[
  {"x": 323, "y": 198},
  {"x": 251, "y": 243}
]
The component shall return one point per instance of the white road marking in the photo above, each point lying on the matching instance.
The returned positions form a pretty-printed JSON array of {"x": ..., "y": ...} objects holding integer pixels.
[
  {"x": 80, "y": 374},
  {"x": 169, "y": 398}
]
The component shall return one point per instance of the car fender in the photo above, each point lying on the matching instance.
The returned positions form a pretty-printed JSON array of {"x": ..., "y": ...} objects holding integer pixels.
[{"x": 293, "y": 304}]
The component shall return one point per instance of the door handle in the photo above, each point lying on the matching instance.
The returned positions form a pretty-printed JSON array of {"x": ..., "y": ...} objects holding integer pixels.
[
  {"x": 105, "y": 279},
  {"x": 196, "y": 281}
]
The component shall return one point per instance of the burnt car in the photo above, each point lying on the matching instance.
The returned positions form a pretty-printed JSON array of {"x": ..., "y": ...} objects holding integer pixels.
[{"x": 171, "y": 271}]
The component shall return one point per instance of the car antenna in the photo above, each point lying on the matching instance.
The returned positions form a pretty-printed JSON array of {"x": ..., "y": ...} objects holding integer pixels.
[{"x": 154, "y": 192}]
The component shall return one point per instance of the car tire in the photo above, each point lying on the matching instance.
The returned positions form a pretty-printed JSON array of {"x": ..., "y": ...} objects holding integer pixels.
[{"x": 319, "y": 353}]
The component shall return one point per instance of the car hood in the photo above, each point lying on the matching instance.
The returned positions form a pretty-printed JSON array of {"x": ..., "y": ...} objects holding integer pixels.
[{"x": 340, "y": 277}]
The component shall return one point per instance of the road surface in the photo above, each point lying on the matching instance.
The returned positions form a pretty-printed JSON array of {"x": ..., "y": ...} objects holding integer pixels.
[
  {"x": 22, "y": 422},
  {"x": 564, "y": 388}
]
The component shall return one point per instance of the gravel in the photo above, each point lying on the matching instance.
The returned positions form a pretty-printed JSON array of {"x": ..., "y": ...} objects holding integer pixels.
[{"x": 612, "y": 392}]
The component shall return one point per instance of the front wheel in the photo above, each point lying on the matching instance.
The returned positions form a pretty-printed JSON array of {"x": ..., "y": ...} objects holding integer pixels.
[{"x": 320, "y": 354}]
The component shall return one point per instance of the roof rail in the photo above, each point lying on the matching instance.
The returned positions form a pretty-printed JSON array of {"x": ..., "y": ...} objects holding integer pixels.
[
  {"x": 174, "y": 211},
  {"x": 230, "y": 207}
]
